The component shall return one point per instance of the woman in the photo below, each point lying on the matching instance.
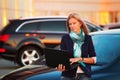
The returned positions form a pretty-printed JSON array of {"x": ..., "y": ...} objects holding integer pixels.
[{"x": 79, "y": 43}]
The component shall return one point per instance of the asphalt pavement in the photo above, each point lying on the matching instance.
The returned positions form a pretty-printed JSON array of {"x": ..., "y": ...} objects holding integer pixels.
[{"x": 7, "y": 66}]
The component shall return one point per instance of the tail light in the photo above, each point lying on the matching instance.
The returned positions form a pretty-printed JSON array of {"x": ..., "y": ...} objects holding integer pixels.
[
  {"x": 4, "y": 37},
  {"x": 2, "y": 50}
]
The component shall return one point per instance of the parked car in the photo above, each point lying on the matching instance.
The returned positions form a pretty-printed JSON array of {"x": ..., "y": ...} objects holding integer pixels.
[
  {"x": 111, "y": 26},
  {"x": 23, "y": 40},
  {"x": 106, "y": 45},
  {"x": 108, "y": 55}
]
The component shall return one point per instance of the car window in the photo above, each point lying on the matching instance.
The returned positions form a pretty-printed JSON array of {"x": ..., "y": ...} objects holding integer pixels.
[
  {"x": 29, "y": 27},
  {"x": 52, "y": 26},
  {"x": 11, "y": 26},
  {"x": 91, "y": 28}
]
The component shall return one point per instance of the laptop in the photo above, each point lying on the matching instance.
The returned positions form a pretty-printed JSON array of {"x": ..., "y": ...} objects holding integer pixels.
[{"x": 55, "y": 57}]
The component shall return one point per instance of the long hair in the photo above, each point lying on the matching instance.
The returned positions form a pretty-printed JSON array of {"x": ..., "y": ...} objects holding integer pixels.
[{"x": 77, "y": 17}]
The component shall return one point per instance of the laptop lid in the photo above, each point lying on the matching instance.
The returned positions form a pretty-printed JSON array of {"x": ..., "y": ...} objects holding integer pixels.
[{"x": 55, "y": 57}]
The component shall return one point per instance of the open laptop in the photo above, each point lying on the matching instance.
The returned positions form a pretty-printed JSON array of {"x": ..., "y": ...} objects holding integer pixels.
[{"x": 55, "y": 57}]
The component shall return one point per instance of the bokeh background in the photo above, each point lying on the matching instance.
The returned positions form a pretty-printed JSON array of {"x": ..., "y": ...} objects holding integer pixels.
[{"x": 96, "y": 11}]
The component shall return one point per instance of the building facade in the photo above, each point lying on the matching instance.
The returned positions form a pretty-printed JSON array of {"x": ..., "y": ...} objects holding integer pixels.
[{"x": 96, "y": 11}]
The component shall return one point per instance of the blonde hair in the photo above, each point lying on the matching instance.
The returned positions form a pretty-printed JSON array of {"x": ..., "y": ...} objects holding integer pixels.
[{"x": 77, "y": 17}]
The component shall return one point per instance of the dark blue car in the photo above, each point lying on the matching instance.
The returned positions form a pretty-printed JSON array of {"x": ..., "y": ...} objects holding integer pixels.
[{"x": 107, "y": 67}]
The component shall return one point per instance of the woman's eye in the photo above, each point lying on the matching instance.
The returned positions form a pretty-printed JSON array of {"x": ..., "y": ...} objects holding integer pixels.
[
  {"x": 70, "y": 24},
  {"x": 74, "y": 23}
]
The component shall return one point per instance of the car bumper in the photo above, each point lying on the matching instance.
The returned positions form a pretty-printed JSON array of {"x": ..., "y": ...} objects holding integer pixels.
[{"x": 8, "y": 52}]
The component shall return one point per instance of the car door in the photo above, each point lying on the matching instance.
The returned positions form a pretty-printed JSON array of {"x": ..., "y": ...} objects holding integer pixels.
[
  {"x": 108, "y": 57},
  {"x": 51, "y": 31}
]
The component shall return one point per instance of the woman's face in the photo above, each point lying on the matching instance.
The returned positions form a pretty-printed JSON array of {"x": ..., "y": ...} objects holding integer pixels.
[{"x": 74, "y": 25}]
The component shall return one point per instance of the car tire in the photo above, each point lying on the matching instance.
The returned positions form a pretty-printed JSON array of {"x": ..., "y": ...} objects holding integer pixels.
[{"x": 28, "y": 55}]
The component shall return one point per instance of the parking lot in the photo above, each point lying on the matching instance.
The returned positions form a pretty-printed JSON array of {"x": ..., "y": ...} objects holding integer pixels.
[{"x": 6, "y": 66}]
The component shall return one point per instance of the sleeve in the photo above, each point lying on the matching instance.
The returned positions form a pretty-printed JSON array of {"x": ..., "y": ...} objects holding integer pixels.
[
  {"x": 91, "y": 48},
  {"x": 62, "y": 45}
]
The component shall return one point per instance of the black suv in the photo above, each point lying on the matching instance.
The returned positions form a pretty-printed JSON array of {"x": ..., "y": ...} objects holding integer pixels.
[{"x": 23, "y": 40}]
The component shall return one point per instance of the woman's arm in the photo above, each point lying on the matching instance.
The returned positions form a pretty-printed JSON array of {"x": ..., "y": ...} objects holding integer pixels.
[{"x": 90, "y": 60}]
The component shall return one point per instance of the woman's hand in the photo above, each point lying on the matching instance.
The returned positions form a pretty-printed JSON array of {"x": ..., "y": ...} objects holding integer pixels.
[
  {"x": 90, "y": 60},
  {"x": 73, "y": 60},
  {"x": 60, "y": 67}
]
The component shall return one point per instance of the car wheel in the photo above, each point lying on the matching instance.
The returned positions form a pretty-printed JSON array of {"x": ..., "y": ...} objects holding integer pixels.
[{"x": 28, "y": 55}]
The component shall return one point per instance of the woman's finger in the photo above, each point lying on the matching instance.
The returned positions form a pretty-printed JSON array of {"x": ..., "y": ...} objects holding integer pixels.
[{"x": 60, "y": 67}]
